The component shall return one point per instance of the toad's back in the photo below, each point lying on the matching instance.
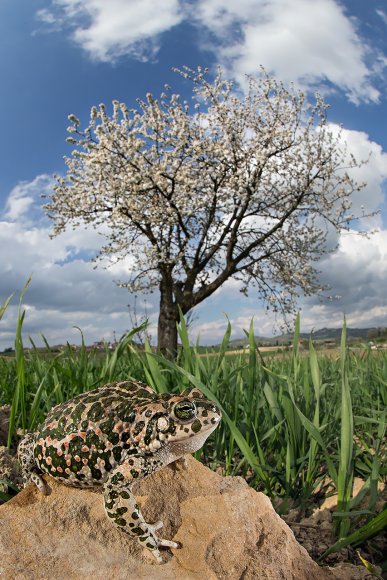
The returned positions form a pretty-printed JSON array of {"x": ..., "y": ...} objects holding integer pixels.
[{"x": 83, "y": 439}]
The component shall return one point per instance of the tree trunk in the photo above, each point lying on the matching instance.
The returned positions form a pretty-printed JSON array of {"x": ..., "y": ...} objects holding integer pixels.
[{"x": 168, "y": 319}]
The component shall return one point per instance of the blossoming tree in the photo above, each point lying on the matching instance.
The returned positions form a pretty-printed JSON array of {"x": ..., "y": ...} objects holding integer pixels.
[{"x": 232, "y": 187}]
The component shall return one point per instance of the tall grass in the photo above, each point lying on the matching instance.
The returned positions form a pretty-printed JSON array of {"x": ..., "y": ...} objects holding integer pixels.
[{"x": 291, "y": 423}]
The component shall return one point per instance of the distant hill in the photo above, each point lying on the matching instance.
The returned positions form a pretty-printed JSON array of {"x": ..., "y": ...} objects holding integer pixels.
[{"x": 325, "y": 334}]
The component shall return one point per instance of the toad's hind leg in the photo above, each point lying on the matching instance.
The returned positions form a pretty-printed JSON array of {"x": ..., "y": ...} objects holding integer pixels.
[
  {"x": 29, "y": 469},
  {"x": 121, "y": 506}
]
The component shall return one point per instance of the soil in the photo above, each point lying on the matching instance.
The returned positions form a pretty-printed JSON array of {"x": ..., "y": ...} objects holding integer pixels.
[{"x": 316, "y": 532}]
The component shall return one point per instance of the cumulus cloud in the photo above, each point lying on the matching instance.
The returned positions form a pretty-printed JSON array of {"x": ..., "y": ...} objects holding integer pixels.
[
  {"x": 66, "y": 289},
  {"x": 22, "y": 199},
  {"x": 372, "y": 172},
  {"x": 301, "y": 41},
  {"x": 364, "y": 261},
  {"x": 310, "y": 43},
  {"x": 108, "y": 30}
]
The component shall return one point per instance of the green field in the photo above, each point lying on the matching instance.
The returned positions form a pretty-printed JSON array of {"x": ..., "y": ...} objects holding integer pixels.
[{"x": 291, "y": 424}]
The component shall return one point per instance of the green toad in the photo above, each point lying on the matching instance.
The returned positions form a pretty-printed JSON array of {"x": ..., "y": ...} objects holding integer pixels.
[{"x": 113, "y": 436}]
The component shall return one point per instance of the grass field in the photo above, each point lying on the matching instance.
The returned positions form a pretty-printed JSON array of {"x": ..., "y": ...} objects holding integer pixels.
[{"x": 291, "y": 424}]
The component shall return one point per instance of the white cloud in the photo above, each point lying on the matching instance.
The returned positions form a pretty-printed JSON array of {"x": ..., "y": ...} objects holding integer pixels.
[
  {"x": 382, "y": 15},
  {"x": 373, "y": 173},
  {"x": 311, "y": 43},
  {"x": 301, "y": 41},
  {"x": 108, "y": 30},
  {"x": 357, "y": 272},
  {"x": 46, "y": 16},
  {"x": 65, "y": 290},
  {"x": 23, "y": 196}
]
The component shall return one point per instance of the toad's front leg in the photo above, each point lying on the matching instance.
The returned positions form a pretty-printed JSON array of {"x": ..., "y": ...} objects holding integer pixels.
[{"x": 121, "y": 506}]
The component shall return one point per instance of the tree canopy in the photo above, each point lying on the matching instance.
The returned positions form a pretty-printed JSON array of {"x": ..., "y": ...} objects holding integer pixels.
[{"x": 246, "y": 186}]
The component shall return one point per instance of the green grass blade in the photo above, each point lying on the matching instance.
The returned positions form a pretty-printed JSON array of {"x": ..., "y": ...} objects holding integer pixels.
[
  {"x": 315, "y": 433},
  {"x": 273, "y": 402},
  {"x": 366, "y": 532},
  {"x": 154, "y": 375},
  {"x": 316, "y": 380},
  {"x": 345, "y": 471},
  {"x": 19, "y": 397},
  {"x": 110, "y": 363},
  {"x": 3, "y": 307}
]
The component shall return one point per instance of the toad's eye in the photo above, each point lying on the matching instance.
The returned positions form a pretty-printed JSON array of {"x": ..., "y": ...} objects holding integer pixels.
[{"x": 185, "y": 411}]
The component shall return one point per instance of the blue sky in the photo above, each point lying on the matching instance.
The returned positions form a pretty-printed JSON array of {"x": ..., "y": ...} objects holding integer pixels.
[{"x": 63, "y": 56}]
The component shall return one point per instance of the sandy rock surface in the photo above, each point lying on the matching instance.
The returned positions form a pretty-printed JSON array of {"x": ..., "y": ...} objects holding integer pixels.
[{"x": 227, "y": 531}]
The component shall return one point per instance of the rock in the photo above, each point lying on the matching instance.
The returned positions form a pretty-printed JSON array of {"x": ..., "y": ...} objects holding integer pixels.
[{"x": 227, "y": 531}]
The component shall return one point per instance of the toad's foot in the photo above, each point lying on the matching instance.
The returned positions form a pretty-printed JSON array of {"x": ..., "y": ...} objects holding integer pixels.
[
  {"x": 40, "y": 484},
  {"x": 121, "y": 507},
  {"x": 160, "y": 542}
]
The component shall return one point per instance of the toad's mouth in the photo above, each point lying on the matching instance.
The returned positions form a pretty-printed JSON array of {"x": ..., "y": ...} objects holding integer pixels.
[{"x": 191, "y": 442}]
